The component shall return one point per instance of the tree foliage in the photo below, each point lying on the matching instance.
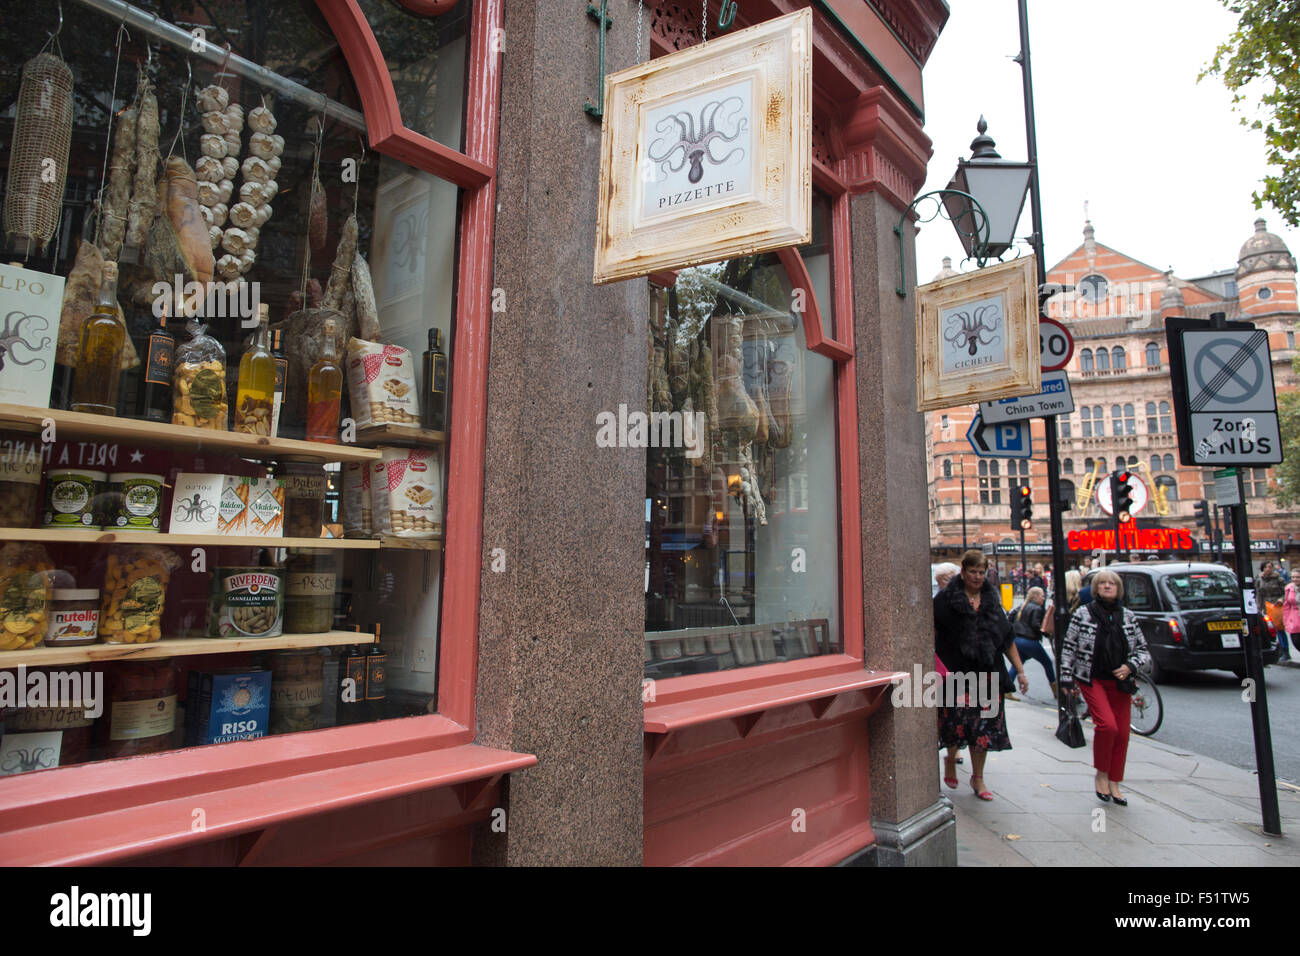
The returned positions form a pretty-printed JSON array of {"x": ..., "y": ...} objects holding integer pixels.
[{"x": 1261, "y": 59}]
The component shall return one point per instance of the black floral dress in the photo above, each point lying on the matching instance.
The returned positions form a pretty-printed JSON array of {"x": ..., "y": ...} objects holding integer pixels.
[{"x": 970, "y": 642}]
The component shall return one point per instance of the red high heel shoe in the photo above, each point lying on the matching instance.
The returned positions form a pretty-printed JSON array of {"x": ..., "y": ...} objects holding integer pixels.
[
  {"x": 982, "y": 794},
  {"x": 950, "y": 772}
]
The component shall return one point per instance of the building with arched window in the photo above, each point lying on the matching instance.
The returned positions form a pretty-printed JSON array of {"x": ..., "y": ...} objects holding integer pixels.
[{"x": 1120, "y": 371}]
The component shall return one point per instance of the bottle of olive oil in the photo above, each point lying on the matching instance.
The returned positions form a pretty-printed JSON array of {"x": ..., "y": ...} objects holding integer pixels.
[
  {"x": 255, "y": 399},
  {"x": 281, "y": 376},
  {"x": 99, "y": 357},
  {"x": 324, "y": 392},
  {"x": 156, "y": 391},
  {"x": 435, "y": 383}
]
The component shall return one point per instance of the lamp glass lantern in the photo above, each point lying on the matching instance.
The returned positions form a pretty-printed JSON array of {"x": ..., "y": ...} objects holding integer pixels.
[{"x": 999, "y": 186}]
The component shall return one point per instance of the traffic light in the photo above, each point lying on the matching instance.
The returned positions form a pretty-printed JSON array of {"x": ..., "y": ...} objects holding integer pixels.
[
  {"x": 1202, "y": 511},
  {"x": 1121, "y": 495},
  {"x": 1022, "y": 508}
]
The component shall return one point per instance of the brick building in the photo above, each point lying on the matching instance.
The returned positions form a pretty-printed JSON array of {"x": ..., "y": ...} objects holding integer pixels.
[{"x": 1123, "y": 397}]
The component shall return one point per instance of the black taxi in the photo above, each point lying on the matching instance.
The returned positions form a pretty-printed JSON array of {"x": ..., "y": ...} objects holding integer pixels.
[{"x": 1190, "y": 614}]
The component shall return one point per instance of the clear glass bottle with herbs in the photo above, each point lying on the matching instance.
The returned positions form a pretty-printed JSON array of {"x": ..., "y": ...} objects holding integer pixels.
[
  {"x": 99, "y": 356},
  {"x": 255, "y": 396},
  {"x": 325, "y": 391}
]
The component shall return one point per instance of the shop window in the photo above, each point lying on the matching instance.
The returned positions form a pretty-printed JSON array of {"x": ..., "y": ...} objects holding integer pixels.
[
  {"x": 338, "y": 586},
  {"x": 426, "y": 58},
  {"x": 1153, "y": 357},
  {"x": 746, "y": 419}
]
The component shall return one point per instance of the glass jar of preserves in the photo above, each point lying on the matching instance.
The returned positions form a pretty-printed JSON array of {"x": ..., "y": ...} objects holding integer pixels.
[
  {"x": 20, "y": 481},
  {"x": 297, "y": 690},
  {"x": 140, "y": 713},
  {"x": 310, "y": 580},
  {"x": 304, "y": 498}
]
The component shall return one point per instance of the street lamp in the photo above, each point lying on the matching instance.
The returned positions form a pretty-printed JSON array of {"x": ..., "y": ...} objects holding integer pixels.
[{"x": 998, "y": 186}]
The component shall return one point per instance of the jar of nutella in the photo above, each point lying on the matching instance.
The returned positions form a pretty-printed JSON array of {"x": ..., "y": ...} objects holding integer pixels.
[{"x": 74, "y": 617}]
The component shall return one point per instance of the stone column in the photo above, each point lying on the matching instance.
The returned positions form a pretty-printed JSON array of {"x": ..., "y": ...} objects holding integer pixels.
[
  {"x": 561, "y": 627},
  {"x": 914, "y": 824}
]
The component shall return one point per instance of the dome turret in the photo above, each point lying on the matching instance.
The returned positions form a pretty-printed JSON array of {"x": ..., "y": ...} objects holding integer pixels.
[{"x": 1264, "y": 252}]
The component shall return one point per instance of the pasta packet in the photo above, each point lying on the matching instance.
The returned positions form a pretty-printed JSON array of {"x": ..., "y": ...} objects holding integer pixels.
[
  {"x": 24, "y": 595},
  {"x": 135, "y": 587},
  {"x": 199, "y": 381}
]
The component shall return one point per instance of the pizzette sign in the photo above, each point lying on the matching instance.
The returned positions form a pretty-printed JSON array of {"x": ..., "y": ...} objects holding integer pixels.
[{"x": 706, "y": 153}]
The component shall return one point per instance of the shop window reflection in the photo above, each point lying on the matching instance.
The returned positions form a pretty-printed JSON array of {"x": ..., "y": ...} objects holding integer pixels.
[{"x": 742, "y": 552}]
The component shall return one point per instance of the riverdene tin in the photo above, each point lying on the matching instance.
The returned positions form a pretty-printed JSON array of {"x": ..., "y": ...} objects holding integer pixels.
[
  {"x": 70, "y": 495},
  {"x": 247, "y": 602},
  {"x": 135, "y": 502}
]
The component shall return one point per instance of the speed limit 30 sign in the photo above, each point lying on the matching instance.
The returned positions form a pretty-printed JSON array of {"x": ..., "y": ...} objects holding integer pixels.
[{"x": 1055, "y": 344}]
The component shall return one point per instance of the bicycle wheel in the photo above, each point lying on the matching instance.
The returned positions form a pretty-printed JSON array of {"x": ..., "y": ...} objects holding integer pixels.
[{"x": 1148, "y": 710}]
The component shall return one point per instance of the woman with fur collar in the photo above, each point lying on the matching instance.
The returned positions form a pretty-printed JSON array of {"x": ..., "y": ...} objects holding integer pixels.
[{"x": 971, "y": 635}]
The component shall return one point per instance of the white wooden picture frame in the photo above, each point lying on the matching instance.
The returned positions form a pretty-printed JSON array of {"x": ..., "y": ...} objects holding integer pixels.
[
  {"x": 706, "y": 153},
  {"x": 977, "y": 336}
]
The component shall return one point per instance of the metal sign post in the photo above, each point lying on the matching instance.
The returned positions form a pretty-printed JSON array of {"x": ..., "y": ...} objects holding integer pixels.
[{"x": 1255, "y": 669}]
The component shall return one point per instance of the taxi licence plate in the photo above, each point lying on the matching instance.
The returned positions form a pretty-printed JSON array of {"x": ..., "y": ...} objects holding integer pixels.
[{"x": 1226, "y": 625}]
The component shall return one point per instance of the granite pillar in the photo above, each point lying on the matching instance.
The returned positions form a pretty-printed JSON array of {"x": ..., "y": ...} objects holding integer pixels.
[
  {"x": 913, "y": 823},
  {"x": 560, "y": 630}
]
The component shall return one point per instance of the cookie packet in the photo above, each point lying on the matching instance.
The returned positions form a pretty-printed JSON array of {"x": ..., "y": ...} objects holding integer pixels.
[
  {"x": 406, "y": 492},
  {"x": 381, "y": 384}
]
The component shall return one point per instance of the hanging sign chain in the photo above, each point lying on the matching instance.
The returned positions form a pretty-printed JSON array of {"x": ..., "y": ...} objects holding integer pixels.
[
  {"x": 704, "y": 22},
  {"x": 640, "y": 9}
]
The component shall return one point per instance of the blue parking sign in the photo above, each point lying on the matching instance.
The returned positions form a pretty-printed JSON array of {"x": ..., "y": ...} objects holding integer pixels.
[{"x": 1001, "y": 440}]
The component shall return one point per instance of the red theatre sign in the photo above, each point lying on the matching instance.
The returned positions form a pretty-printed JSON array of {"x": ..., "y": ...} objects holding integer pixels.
[{"x": 1131, "y": 539}]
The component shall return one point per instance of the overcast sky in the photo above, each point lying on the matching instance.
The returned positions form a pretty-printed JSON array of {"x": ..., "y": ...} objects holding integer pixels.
[{"x": 1162, "y": 160}]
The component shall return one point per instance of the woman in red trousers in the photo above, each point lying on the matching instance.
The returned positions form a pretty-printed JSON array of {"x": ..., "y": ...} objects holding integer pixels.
[{"x": 1103, "y": 647}]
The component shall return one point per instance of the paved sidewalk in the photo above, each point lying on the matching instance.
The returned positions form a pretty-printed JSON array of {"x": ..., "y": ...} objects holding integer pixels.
[{"x": 1184, "y": 809}]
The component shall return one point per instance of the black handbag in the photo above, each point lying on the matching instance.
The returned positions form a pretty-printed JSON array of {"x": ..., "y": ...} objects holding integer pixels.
[
  {"x": 1128, "y": 685},
  {"x": 1069, "y": 730}
]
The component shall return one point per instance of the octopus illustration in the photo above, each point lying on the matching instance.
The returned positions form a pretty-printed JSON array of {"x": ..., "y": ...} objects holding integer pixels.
[
  {"x": 13, "y": 334},
  {"x": 21, "y": 760},
  {"x": 967, "y": 330},
  {"x": 696, "y": 143},
  {"x": 195, "y": 509}
]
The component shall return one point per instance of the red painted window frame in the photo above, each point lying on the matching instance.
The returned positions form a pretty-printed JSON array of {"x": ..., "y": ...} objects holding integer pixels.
[
  {"x": 840, "y": 351},
  {"x": 121, "y": 786}
]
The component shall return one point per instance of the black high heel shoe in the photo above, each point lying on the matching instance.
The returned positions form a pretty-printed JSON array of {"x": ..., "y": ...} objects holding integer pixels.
[
  {"x": 1103, "y": 797},
  {"x": 1118, "y": 801}
]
